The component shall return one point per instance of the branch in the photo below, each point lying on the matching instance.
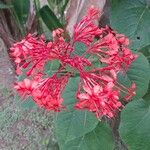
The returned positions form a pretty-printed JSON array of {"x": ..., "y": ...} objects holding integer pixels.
[{"x": 5, "y": 37}]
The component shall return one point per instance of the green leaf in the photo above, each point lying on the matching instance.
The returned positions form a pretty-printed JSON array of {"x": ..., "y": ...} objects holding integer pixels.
[
  {"x": 65, "y": 2},
  {"x": 59, "y": 6},
  {"x": 146, "y": 52},
  {"x": 47, "y": 33},
  {"x": 98, "y": 139},
  {"x": 5, "y": 6},
  {"x": 51, "y": 67},
  {"x": 138, "y": 72},
  {"x": 135, "y": 125},
  {"x": 26, "y": 104},
  {"x": 131, "y": 17},
  {"x": 80, "y": 48},
  {"x": 71, "y": 124},
  {"x": 21, "y": 77},
  {"x": 49, "y": 18},
  {"x": 21, "y": 9}
]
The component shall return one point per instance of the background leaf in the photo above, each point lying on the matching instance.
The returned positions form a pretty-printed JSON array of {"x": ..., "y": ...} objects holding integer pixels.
[
  {"x": 21, "y": 9},
  {"x": 58, "y": 6},
  {"x": 131, "y": 17},
  {"x": 135, "y": 125},
  {"x": 5, "y": 6},
  {"x": 72, "y": 123},
  {"x": 49, "y": 18}
]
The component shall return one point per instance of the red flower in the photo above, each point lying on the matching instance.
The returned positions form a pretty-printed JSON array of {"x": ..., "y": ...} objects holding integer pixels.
[
  {"x": 99, "y": 90},
  {"x": 86, "y": 29},
  {"x": 59, "y": 49},
  {"x": 77, "y": 62},
  {"x": 26, "y": 87},
  {"x": 131, "y": 92},
  {"x": 112, "y": 49},
  {"x": 30, "y": 52},
  {"x": 48, "y": 92},
  {"x": 103, "y": 101}
]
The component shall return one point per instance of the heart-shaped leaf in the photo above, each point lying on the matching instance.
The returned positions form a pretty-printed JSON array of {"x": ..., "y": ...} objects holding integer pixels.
[
  {"x": 71, "y": 124},
  {"x": 135, "y": 125},
  {"x": 131, "y": 17},
  {"x": 138, "y": 72},
  {"x": 99, "y": 138}
]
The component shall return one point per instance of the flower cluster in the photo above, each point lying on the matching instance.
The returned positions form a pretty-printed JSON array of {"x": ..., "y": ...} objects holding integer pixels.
[{"x": 98, "y": 89}]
